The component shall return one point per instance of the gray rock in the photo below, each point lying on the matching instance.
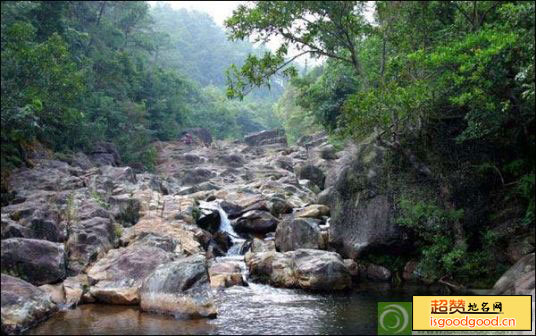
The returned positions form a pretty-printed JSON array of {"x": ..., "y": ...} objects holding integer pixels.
[
  {"x": 362, "y": 216},
  {"x": 308, "y": 269},
  {"x": 293, "y": 234},
  {"x": 37, "y": 261},
  {"x": 23, "y": 305},
  {"x": 378, "y": 273},
  {"x": 105, "y": 153},
  {"x": 180, "y": 288},
  {"x": 118, "y": 276},
  {"x": 312, "y": 173},
  {"x": 519, "y": 279},
  {"x": 255, "y": 221},
  {"x": 266, "y": 137},
  {"x": 89, "y": 239}
]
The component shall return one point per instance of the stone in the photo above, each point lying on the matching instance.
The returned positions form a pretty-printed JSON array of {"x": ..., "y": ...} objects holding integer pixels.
[
  {"x": 328, "y": 152},
  {"x": 37, "y": 261},
  {"x": 309, "y": 269},
  {"x": 196, "y": 176},
  {"x": 313, "y": 211},
  {"x": 293, "y": 234},
  {"x": 409, "y": 272},
  {"x": 118, "y": 276},
  {"x": 352, "y": 268},
  {"x": 89, "y": 239},
  {"x": 311, "y": 172},
  {"x": 225, "y": 274},
  {"x": 105, "y": 153},
  {"x": 519, "y": 279},
  {"x": 320, "y": 270},
  {"x": 266, "y": 138},
  {"x": 38, "y": 217},
  {"x": 259, "y": 245},
  {"x": 378, "y": 273},
  {"x": 23, "y": 305},
  {"x": 256, "y": 221},
  {"x": 180, "y": 288},
  {"x": 278, "y": 206},
  {"x": 74, "y": 288},
  {"x": 362, "y": 215},
  {"x": 56, "y": 293}
]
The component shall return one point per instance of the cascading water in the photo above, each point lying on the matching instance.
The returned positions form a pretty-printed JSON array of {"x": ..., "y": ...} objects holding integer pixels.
[{"x": 225, "y": 226}]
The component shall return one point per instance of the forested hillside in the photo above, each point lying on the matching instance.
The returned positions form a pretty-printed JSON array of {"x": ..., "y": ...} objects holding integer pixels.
[
  {"x": 75, "y": 73},
  {"x": 447, "y": 88}
]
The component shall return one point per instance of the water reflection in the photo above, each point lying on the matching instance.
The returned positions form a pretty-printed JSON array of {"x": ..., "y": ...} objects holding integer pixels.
[{"x": 257, "y": 309}]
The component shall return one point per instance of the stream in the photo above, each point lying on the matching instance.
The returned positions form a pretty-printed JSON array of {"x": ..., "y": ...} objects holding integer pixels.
[{"x": 253, "y": 309}]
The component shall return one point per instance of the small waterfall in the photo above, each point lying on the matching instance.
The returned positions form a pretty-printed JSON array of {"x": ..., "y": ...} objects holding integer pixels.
[{"x": 225, "y": 226}]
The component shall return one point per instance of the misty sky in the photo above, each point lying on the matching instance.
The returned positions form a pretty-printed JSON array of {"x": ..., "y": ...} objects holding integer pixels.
[{"x": 220, "y": 10}]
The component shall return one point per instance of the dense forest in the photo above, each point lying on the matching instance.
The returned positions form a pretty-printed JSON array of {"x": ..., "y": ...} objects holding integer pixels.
[
  {"x": 446, "y": 86},
  {"x": 75, "y": 73}
]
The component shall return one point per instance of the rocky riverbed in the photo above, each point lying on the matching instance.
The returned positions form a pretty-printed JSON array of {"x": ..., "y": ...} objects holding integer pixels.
[{"x": 213, "y": 217}]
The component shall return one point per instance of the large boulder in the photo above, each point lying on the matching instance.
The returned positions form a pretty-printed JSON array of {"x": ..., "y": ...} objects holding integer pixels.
[
  {"x": 23, "y": 305},
  {"x": 363, "y": 216},
  {"x": 105, "y": 153},
  {"x": 308, "y": 269},
  {"x": 89, "y": 239},
  {"x": 266, "y": 137},
  {"x": 312, "y": 173},
  {"x": 119, "y": 275},
  {"x": 256, "y": 221},
  {"x": 320, "y": 270},
  {"x": 180, "y": 288},
  {"x": 293, "y": 234},
  {"x": 37, "y": 261},
  {"x": 519, "y": 279},
  {"x": 37, "y": 217}
]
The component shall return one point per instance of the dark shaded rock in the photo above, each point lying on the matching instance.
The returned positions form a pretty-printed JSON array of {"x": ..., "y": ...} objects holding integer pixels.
[
  {"x": 119, "y": 174},
  {"x": 209, "y": 219},
  {"x": 255, "y": 221},
  {"x": 362, "y": 215},
  {"x": 125, "y": 209},
  {"x": 180, "y": 288},
  {"x": 278, "y": 206},
  {"x": 327, "y": 152},
  {"x": 36, "y": 217},
  {"x": 105, "y": 153},
  {"x": 285, "y": 163},
  {"x": 37, "y": 261},
  {"x": 197, "y": 175},
  {"x": 378, "y": 273},
  {"x": 312, "y": 173},
  {"x": 23, "y": 305},
  {"x": 89, "y": 239},
  {"x": 233, "y": 160},
  {"x": 293, "y": 234}
]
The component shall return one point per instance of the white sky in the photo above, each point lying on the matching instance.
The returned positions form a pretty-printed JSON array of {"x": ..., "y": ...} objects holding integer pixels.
[{"x": 220, "y": 10}]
